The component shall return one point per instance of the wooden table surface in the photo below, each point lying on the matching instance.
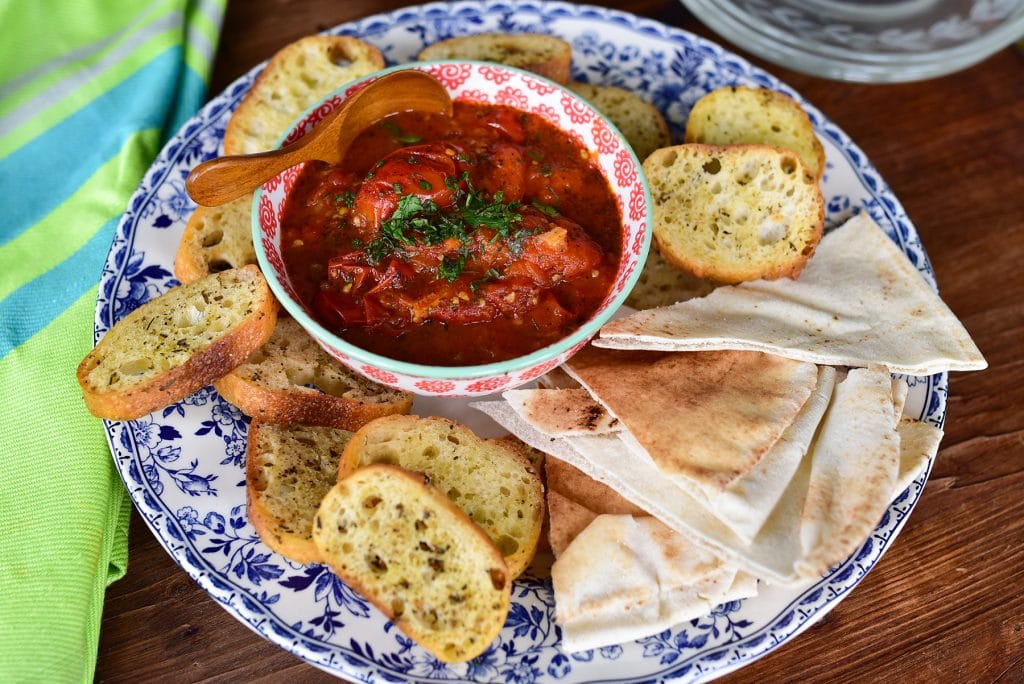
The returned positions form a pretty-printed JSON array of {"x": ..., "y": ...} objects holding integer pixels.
[{"x": 946, "y": 603}]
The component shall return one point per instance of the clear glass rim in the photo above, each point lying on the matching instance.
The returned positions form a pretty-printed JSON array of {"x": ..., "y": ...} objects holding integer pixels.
[{"x": 822, "y": 59}]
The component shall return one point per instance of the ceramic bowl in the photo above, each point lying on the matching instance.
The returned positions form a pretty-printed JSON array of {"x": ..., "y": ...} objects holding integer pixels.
[{"x": 493, "y": 84}]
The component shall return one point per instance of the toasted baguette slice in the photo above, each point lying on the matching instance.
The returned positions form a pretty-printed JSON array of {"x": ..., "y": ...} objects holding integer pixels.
[
  {"x": 739, "y": 115},
  {"x": 641, "y": 122},
  {"x": 536, "y": 457},
  {"x": 662, "y": 284},
  {"x": 177, "y": 343},
  {"x": 545, "y": 55},
  {"x": 288, "y": 471},
  {"x": 296, "y": 77},
  {"x": 734, "y": 213},
  {"x": 491, "y": 482},
  {"x": 292, "y": 380},
  {"x": 403, "y": 545},
  {"x": 216, "y": 239}
]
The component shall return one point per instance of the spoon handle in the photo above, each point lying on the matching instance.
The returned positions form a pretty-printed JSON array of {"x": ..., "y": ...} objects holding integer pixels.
[{"x": 223, "y": 179}]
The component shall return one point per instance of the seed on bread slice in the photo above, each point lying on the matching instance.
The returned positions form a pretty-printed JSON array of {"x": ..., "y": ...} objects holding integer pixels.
[
  {"x": 216, "y": 239},
  {"x": 288, "y": 471},
  {"x": 639, "y": 121},
  {"x": 403, "y": 545},
  {"x": 292, "y": 380},
  {"x": 542, "y": 54},
  {"x": 179, "y": 342},
  {"x": 294, "y": 79},
  {"x": 490, "y": 481},
  {"x": 734, "y": 213},
  {"x": 739, "y": 115}
]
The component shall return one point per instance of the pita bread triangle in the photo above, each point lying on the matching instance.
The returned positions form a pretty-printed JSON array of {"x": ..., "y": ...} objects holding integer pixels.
[
  {"x": 707, "y": 416},
  {"x": 744, "y": 505},
  {"x": 803, "y": 534},
  {"x": 624, "y": 578},
  {"x": 562, "y": 412},
  {"x": 858, "y": 302}
]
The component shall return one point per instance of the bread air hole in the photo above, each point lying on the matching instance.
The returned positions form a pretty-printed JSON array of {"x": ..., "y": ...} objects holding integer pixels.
[
  {"x": 788, "y": 165},
  {"x": 770, "y": 233},
  {"x": 298, "y": 375},
  {"x": 386, "y": 457},
  {"x": 397, "y": 607},
  {"x": 135, "y": 366},
  {"x": 187, "y": 316},
  {"x": 713, "y": 166},
  {"x": 507, "y": 545},
  {"x": 219, "y": 265},
  {"x": 669, "y": 159},
  {"x": 330, "y": 383},
  {"x": 213, "y": 237},
  {"x": 339, "y": 56}
]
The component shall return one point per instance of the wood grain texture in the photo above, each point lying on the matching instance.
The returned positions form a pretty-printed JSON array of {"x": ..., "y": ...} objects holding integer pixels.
[{"x": 946, "y": 603}]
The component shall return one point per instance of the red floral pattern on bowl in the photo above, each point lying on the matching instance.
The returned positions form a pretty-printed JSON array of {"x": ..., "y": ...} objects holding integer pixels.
[{"x": 477, "y": 83}]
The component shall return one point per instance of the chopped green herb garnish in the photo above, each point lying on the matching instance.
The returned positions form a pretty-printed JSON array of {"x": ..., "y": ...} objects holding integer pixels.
[
  {"x": 545, "y": 170},
  {"x": 497, "y": 214},
  {"x": 425, "y": 184},
  {"x": 347, "y": 198},
  {"x": 515, "y": 242},
  {"x": 415, "y": 220},
  {"x": 397, "y": 187},
  {"x": 545, "y": 209},
  {"x": 398, "y": 134},
  {"x": 491, "y": 274},
  {"x": 451, "y": 267}
]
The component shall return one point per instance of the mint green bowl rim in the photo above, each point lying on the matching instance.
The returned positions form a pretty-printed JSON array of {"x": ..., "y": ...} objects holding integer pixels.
[{"x": 409, "y": 368}]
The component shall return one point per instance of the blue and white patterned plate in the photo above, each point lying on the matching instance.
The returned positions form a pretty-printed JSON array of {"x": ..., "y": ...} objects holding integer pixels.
[{"x": 183, "y": 466}]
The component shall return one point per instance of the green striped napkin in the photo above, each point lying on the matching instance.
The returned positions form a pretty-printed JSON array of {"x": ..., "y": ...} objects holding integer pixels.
[{"x": 89, "y": 91}]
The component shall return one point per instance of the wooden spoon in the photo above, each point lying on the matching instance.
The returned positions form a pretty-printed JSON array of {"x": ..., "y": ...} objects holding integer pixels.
[{"x": 223, "y": 179}]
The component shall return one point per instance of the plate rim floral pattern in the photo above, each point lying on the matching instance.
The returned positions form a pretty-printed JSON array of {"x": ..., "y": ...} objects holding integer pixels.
[{"x": 144, "y": 451}]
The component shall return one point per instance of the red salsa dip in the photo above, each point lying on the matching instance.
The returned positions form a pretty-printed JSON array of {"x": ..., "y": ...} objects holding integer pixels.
[{"x": 454, "y": 241}]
